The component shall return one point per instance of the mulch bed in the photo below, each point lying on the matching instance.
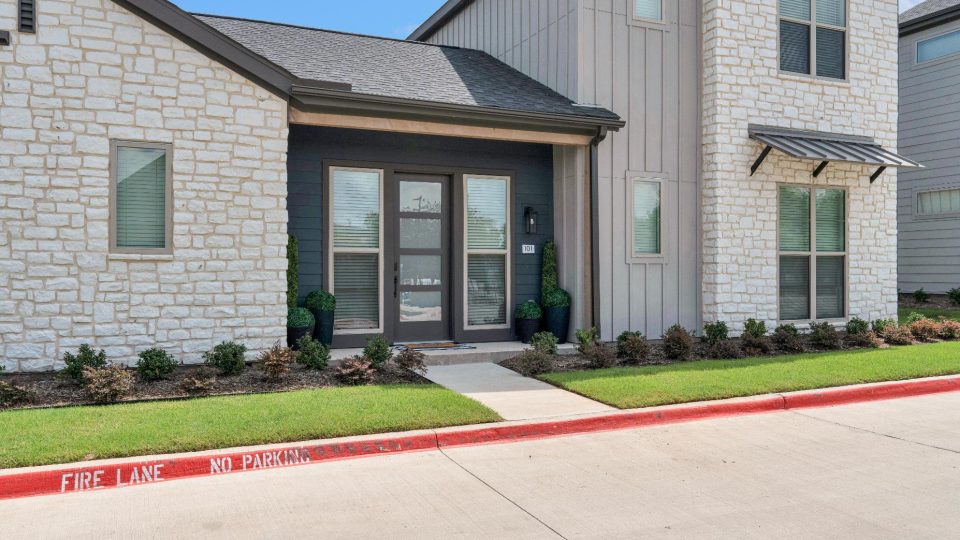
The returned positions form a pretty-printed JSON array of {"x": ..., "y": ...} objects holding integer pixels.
[
  {"x": 51, "y": 390},
  {"x": 938, "y": 301}
]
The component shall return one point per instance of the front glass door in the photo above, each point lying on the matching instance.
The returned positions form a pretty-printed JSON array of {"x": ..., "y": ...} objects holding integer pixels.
[{"x": 422, "y": 277}]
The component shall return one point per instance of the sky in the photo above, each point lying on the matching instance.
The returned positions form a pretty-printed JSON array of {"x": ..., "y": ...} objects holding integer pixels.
[{"x": 391, "y": 18}]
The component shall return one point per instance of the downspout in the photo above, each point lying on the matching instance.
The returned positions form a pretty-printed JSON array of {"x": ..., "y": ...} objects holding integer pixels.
[{"x": 595, "y": 226}]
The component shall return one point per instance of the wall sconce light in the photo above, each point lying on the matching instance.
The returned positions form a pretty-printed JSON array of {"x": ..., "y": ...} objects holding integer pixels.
[
  {"x": 530, "y": 219},
  {"x": 4, "y": 38}
]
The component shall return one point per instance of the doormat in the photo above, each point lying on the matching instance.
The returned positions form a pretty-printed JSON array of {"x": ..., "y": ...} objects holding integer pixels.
[{"x": 442, "y": 346}]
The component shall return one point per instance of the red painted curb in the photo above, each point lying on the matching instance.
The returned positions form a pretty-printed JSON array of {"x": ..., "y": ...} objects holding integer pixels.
[{"x": 106, "y": 476}]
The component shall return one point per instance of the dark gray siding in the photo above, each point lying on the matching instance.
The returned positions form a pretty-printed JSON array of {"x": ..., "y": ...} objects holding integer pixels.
[
  {"x": 531, "y": 164},
  {"x": 929, "y": 247}
]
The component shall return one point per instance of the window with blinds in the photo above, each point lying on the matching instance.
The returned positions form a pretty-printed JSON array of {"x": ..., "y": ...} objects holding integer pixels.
[
  {"x": 813, "y": 37},
  {"x": 140, "y": 221},
  {"x": 646, "y": 217},
  {"x": 938, "y": 47},
  {"x": 648, "y": 9},
  {"x": 813, "y": 245},
  {"x": 944, "y": 201},
  {"x": 487, "y": 251},
  {"x": 356, "y": 248}
]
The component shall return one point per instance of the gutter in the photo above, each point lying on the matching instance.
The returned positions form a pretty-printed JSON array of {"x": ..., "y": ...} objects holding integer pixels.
[
  {"x": 595, "y": 226},
  {"x": 931, "y": 20}
]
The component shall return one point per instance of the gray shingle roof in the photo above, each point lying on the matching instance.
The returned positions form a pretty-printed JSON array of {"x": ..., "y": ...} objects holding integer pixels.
[
  {"x": 399, "y": 69},
  {"x": 927, "y": 8}
]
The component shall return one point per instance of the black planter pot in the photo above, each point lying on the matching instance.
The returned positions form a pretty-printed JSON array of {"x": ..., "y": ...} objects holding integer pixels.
[
  {"x": 294, "y": 335},
  {"x": 556, "y": 320},
  {"x": 323, "y": 332},
  {"x": 526, "y": 328}
]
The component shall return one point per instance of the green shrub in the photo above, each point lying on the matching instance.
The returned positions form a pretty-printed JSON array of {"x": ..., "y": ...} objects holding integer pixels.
[
  {"x": 320, "y": 301},
  {"x": 529, "y": 311},
  {"x": 556, "y": 298},
  {"x": 677, "y": 343},
  {"x": 85, "y": 357},
  {"x": 544, "y": 342},
  {"x": 954, "y": 296},
  {"x": 299, "y": 317},
  {"x": 532, "y": 362},
  {"x": 787, "y": 338},
  {"x": 897, "y": 335},
  {"x": 293, "y": 269},
  {"x": 378, "y": 351},
  {"x": 107, "y": 384},
  {"x": 411, "y": 360},
  {"x": 921, "y": 296},
  {"x": 549, "y": 279},
  {"x": 599, "y": 355},
  {"x": 276, "y": 360},
  {"x": 724, "y": 349},
  {"x": 155, "y": 364},
  {"x": 14, "y": 395},
  {"x": 915, "y": 317},
  {"x": 312, "y": 354},
  {"x": 357, "y": 371},
  {"x": 755, "y": 328},
  {"x": 880, "y": 325},
  {"x": 633, "y": 347},
  {"x": 857, "y": 326},
  {"x": 228, "y": 357},
  {"x": 586, "y": 336},
  {"x": 823, "y": 335},
  {"x": 715, "y": 332}
]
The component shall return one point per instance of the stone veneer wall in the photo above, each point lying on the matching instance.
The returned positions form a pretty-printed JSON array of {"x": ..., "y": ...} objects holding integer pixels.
[
  {"x": 96, "y": 72},
  {"x": 742, "y": 85}
]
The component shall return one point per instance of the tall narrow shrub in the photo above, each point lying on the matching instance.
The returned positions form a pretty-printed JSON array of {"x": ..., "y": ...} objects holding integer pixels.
[
  {"x": 549, "y": 280},
  {"x": 293, "y": 269}
]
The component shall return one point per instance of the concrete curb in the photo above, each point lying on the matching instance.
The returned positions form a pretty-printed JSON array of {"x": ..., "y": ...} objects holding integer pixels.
[{"x": 49, "y": 480}]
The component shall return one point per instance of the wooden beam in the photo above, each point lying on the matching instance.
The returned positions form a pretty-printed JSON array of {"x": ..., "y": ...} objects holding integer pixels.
[{"x": 434, "y": 128}]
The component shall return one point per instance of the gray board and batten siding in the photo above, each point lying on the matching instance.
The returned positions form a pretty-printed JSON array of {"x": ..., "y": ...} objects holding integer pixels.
[
  {"x": 929, "y": 130},
  {"x": 596, "y": 53}
]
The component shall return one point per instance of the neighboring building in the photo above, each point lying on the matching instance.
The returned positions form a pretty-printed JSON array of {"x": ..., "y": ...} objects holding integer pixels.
[
  {"x": 696, "y": 220},
  {"x": 929, "y": 207}
]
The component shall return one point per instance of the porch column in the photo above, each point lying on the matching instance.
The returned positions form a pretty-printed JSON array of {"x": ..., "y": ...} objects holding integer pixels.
[{"x": 571, "y": 203}]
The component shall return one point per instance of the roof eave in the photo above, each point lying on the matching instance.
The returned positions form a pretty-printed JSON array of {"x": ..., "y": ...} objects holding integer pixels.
[
  {"x": 440, "y": 17},
  {"x": 931, "y": 20}
]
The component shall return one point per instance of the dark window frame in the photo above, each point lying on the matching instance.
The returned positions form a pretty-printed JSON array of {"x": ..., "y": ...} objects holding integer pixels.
[{"x": 812, "y": 26}]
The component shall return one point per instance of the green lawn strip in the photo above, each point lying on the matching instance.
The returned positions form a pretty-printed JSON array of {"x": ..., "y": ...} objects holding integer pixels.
[
  {"x": 629, "y": 388},
  {"x": 45, "y": 436},
  {"x": 930, "y": 313}
]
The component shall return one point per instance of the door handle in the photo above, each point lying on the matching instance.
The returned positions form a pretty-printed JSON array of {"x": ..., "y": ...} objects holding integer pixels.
[{"x": 395, "y": 282}]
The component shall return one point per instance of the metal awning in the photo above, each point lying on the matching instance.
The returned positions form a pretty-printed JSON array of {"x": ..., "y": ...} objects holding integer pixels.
[{"x": 824, "y": 148}]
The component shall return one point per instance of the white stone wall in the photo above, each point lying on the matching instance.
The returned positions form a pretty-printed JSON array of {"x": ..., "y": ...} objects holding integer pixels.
[
  {"x": 96, "y": 72},
  {"x": 742, "y": 85}
]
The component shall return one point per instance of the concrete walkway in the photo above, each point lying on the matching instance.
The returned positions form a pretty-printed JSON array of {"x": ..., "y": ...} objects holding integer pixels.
[{"x": 511, "y": 395}]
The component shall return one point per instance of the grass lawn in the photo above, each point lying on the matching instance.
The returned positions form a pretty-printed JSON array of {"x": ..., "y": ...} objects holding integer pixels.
[
  {"x": 45, "y": 436},
  {"x": 930, "y": 313},
  {"x": 629, "y": 388}
]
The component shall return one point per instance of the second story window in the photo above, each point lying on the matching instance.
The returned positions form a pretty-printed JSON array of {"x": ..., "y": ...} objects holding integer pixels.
[
  {"x": 648, "y": 9},
  {"x": 813, "y": 37}
]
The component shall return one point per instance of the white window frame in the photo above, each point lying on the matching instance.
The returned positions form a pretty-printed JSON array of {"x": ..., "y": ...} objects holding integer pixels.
[
  {"x": 813, "y": 24},
  {"x": 331, "y": 279},
  {"x": 632, "y": 179},
  {"x": 916, "y": 49},
  {"x": 812, "y": 254},
  {"x": 167, "y": 249},
  {"x": 916, "y": 203},
  {"x": 508, "y": 263}
]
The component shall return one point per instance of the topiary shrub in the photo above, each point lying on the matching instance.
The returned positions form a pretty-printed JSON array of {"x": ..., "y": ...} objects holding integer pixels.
[
  {"x": 276, "y": 361},
  {"x": 107, "y": 384},
  {"x": 599, "y": 355},
  {"x": 201, "y": 382},
  {"x": 921, "y": 296},
  {"x": 880, "y": 325},
  {"x": 85, "y": 357},
  {"x": 320, "y": 301},
  {"x": 378, "y": 351},
  {"x": 312, "y": 353},
  {"x": 724, "y": 349},
  {"x": 897, "y": 335},
  {"x": 632, "y": 347},
  {"x": 866, "y": 339},
  {"x": 293, "y": 270},
  {"x": 954, "y": 296},
  {"x": 787, "y": 338},
  {"x": 155, "y": 364},
  {"x": 228, "y": 357},
  {"x": 925, "y": 329},
  {"x": 556, "y": 298},
  {"x": 549, "y": 277},
  {"x": 299, "y": 317},
  {"x": 754, "y": 328},
  {"x": 411, "y": 360},
  {"x": 949, "y": 329},
  {"x": 715, "y": 332},
  {"x": 14, "y": 395},
  {"x": 857, "y": 326},
  {"x": 544, "y": 342},
  {"x": 532, "y": 362},
  {"x": 356, "y": 371},
  {"x": 824, "y": 336},
  {"x": 586, "y": 336},
  {"x": 677, "y": 343},
  {"x": 529, "y": 311},
  {"x": 914, "y": 317}
]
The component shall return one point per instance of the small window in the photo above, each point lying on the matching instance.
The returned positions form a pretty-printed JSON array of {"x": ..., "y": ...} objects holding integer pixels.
[
  {"x": 648, "y": 9},
  {"x": 813, "y": 37},
  {"x": 141, "y": 205},
  {"x": 28, "y": 16},
  {"x": 944, "y": 201},
  {"x": 646, "y": 217},
  {"x": 487, "y": 251},
  {"x": 938, "y": 47}
]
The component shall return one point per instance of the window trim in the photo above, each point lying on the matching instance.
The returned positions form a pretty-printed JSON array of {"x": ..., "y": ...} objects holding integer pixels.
[
  {"x": 632, "y": 179},
  {"x": 507, "y": 253},
  {"x": 916, "y": 203},
  {"x": 813, "y": 253},
  {"x": 813, "y": 24},
  {"x": 115, "y": 146},
  {"x": 657, "y": 24},
  {"x": 916, "y": 49},
  {"x": 332, "y": 249}
]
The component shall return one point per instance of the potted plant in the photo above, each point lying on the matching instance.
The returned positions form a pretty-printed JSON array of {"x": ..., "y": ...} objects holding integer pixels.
[
  {"x": 528, "y": 320},
  {"x": 323, "y": 305},
  {"x": 300, "y": 322},
  {"x": 556, "y": 301}
]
